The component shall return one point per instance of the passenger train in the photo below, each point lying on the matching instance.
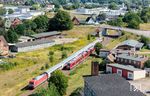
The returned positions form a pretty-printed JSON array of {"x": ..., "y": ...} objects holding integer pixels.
[{"x": 68, "y": 63}]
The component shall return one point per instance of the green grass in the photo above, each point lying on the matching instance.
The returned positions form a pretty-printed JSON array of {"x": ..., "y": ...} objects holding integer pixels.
[{"x": 30, "y": 63}]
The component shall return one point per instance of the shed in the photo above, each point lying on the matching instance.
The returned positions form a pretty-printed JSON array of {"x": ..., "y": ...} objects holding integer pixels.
[
  {"x": 126, "y": 71},
  {"x": 32, "y": 45},
  {"x": 45, "y": 35}
]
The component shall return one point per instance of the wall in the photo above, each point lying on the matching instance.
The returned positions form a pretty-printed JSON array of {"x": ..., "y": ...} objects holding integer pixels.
[
  {"x": 31, "y": 48},
  {"x": 139, "y": 74}
]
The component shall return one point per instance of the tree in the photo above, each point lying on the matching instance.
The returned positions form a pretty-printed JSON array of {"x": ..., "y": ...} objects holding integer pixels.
[
  {"x": 132, "y": 19},
  {"x": 50, "y": 91},
  {"x": 144, "y": 40},
  {"x": 12, "y": 36},
  {"x": 42, "y": 22},
  {"x": 89, "y": 37},
  {"x": 20, "y": 29},
  {"x": 113, "y": 6},
  {"x": 61, "y": 21},
  {"x": 101, "y": 16},
  {"x": 2, "y": 11},
  {"x": 147, "y": 64},
  {"x": 97, "y": 47},
  {"x": 10, "y": 11},
  {"x": 116, "y": 22},
  {"x": 51, "y": 57},
  {"x": 60, "y": 81},
  {"x": 64, "y": 55},
  {"x": 30, "y": 25},
  {"x": 102, "y": 66},
  {"x": 145, "y": 15},
  {"x": 133, "y": 24}
]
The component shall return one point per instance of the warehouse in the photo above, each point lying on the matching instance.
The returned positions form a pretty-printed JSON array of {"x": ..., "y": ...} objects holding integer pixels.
[
  {"x": 130, "y": 45},
  {"x": 128, "y": 72},
  {"x": 30, "y": 46}
]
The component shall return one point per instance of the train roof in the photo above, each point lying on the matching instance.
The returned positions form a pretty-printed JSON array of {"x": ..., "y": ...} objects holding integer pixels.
[{"x": 61, "y": 64}]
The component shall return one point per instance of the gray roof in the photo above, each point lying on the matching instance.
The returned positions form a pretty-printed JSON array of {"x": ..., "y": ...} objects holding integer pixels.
[
  {"x": 131, "y": 57},
  {"x": 110, "y": 85},
  {"x": 127, "y": 67},
  {"x": 132, "y": 43},
  {"x": 33, "y": 43},
  {"x": 45, "y": 34}
]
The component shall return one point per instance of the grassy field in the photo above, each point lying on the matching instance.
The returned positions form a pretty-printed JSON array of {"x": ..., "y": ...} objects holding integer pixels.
[
  {"x": 30, "y": 63},
  {"x": 145, "y": 26}
]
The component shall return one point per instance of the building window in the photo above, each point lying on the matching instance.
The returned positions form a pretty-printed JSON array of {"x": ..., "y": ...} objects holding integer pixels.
[
  {"x": 119, "y": 72},
  {"x": 130, "y": 75}
]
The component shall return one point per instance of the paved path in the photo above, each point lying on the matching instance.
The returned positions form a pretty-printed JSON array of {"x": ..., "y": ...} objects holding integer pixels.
[{"x": 134, "y": 31}]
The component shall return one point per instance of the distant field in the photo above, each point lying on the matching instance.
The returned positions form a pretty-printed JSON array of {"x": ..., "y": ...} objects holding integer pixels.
[
  {"x": 30, "y": 63},
  {"x": 145, "y": 26}
]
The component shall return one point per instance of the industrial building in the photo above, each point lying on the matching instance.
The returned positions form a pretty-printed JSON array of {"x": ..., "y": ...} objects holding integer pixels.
[{"x": 126, "y": 71}]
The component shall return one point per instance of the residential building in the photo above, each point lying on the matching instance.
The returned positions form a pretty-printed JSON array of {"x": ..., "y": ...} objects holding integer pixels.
[
  {"x": 4, "y": 48},
  {"x": 12, "y": 22},
  {"x": 126, "y": 71},
  {"x": 109, "y": 85},
  {"x": 45, "y": 35},
  {"x": 130, "y": 45},
  {"x": 131, "y": 59},
  {"x": 50, "y": 7},
  {"x": 91, "y": 20},
  {"x": 32, "y": 45},
  {"x": 75, "y": 21}
]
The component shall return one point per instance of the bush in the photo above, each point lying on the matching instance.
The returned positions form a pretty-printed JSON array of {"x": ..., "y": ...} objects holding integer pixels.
[
  {"x": 97, "y": 47},
  {"x": 46, "y": 66},
  {"x": 8, "y": 66},
  {"x": 147, "y": 64},
  {"x": 60, "y": 81},
  {"x": 64, "y": 55}
]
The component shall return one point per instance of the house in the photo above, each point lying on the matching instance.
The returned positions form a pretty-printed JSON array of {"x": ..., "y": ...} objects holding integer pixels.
[
  {"x": 131, "y": 59},
  {"x": 90, "y": 20},
  {"x": 32, "y": 45},
  {"x": 12, "y": 22},
  {"x": 130, "y": 45},
  {"x": 104, "y": 53},
  {"x": 50, "y": 7},
  {"x": 45, "y": 35},
  {"x": 25, "y": 39},
  {"x": 126, "y": 71},
  {"x": 75, "y": 21},
  {"x": 16, "y": 22},
  {"x": 109, "y": 85},
  {"x": 4, "y": 48}
]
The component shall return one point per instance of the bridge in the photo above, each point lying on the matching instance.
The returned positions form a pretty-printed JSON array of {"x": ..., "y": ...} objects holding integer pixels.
[{"x": 134, "y": 31}]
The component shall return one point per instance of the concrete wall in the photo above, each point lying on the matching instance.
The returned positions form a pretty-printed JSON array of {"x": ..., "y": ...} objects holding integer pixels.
[
  {"x": 31, "y": 48},
  {"x": 139, "y": 74}
]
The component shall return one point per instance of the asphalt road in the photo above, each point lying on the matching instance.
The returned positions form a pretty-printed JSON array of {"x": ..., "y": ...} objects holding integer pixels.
[{"x": 134, "y": 31}]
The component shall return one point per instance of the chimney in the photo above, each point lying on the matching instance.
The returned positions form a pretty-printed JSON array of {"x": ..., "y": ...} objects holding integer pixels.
[{"x": 95, "y": 68}]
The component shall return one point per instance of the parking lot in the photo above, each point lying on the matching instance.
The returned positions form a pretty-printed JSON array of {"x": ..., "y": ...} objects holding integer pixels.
[{"x": 143, "y": 85}]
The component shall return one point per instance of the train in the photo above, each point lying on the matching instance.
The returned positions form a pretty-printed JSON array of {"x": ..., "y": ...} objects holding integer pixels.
[{"x": 68, "y": 64}]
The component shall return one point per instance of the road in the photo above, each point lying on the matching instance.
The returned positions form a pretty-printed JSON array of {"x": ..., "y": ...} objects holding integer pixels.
[{"x": 134, "y": 31}]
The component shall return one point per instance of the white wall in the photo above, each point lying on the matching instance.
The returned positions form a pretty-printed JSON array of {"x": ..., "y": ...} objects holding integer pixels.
[{"x": 139, "y": 74}]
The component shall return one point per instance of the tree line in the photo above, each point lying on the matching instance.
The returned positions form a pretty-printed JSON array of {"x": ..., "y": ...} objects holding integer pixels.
[
  {"x": 131, "y": 19},
  {"x": 61, "y": 21}
]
